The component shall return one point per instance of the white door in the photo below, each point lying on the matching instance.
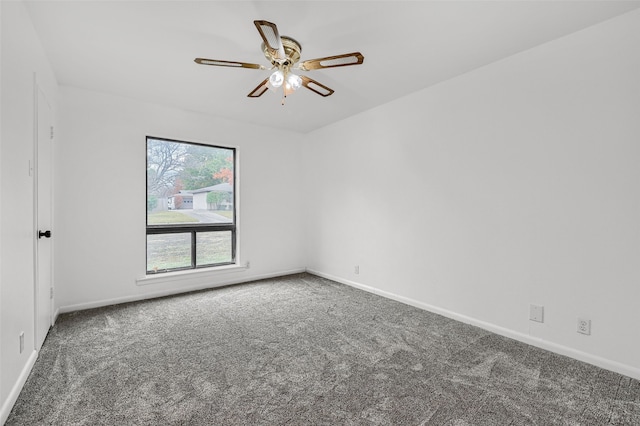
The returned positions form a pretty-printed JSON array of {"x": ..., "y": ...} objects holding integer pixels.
[{"x": 43, "y": 201}]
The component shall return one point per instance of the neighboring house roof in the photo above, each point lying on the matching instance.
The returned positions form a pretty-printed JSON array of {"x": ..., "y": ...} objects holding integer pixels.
[
  {"x": 221, "y": 187},
  {"x": 183, "y": 194}
]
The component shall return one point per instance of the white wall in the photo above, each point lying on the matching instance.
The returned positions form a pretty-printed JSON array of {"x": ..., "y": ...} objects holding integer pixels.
[
  {"x": 22, "y": 56},
  {"x": 100, "y": 188},
  {"x": 514, "y": 184}
]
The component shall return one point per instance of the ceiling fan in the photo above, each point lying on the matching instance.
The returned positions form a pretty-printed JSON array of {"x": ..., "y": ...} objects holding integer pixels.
[{"x": 284, "y": 53}]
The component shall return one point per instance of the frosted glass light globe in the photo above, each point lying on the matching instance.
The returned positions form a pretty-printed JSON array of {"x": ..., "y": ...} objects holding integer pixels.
[
  {"x": 276, "y": 79},
  {"x": 294, "y": 81}
]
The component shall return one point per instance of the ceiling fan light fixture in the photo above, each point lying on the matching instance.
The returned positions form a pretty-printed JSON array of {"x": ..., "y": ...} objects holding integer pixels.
[
  {"x": 283, "y": 53},
  {"x": 294, "y": 81},
  {"x": 276, "y": 79}
]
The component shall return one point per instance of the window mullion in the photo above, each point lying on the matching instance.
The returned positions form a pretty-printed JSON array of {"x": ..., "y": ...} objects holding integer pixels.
[{"x": 193, "y": 249}]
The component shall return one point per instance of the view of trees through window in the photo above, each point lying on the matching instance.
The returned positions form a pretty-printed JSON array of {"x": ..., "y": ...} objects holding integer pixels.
[{"x": 190, "y": 205}]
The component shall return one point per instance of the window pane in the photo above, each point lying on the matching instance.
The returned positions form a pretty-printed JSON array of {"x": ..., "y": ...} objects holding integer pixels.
[
  {"x": 189, "y": 183},
  {"x": 213, "y": 248},
  {"x": 168, "y": 251},
  {"x": 190, "y": 190}
]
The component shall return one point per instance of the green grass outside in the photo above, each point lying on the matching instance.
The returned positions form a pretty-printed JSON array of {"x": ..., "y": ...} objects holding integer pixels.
[
  {"x": 159, "y": 218},
  {"x": 170, "y": 251}
]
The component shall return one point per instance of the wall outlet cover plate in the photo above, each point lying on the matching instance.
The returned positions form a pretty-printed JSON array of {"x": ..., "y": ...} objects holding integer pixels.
[{"x": 584, "y": 326}]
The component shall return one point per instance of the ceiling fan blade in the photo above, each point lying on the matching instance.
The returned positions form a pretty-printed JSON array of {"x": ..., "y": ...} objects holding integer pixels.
[
  {"x": 271, "y": 37},
  {"x": 260, "y": 89},
  {"x": 347, "y": 59},
  {"x": 233, "y": 64},
  {"x": 316, "y": 87}
]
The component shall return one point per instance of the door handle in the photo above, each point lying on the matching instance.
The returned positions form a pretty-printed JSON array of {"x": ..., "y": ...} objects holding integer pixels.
[{"x": 46, "y": 234}]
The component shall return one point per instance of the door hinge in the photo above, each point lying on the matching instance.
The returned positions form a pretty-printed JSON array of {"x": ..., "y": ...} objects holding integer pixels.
[
  {"x": 51, "y": 133},
  {"x": 51, "y": 293}
]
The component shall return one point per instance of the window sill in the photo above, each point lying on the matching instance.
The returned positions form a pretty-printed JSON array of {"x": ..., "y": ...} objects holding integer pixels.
[{"x": 192, "y": 273}]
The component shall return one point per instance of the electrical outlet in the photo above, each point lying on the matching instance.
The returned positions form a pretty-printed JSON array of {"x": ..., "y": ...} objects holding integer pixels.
[
  {"x": 584, "y": 326},
  {"x": 536, "y": 313},
  {"x": 356, "y": 269},
  {"x": 21, "y": 342},
  {"x": 248, "y": 265}
]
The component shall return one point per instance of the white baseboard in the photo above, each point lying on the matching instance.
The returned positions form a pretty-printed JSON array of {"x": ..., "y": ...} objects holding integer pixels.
[
  {"x": 182, "y": 289},
  {"x": 607, "y": 364},
  {"x": 7, "y": 404}
]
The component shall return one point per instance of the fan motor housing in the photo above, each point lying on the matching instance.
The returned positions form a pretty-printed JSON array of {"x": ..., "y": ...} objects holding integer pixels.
[{"x": 292, "y": 50}]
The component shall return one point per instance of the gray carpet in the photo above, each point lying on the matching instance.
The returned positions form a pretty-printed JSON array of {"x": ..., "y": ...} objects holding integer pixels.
[{"x": 304, "y": 350}]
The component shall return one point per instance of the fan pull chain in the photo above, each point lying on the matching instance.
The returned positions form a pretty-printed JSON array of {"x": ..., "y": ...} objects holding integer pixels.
[{"x": 284, "y": 85}]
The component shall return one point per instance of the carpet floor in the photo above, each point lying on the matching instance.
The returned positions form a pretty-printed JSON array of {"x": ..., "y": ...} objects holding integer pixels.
[{"x": 302, "y": 350}]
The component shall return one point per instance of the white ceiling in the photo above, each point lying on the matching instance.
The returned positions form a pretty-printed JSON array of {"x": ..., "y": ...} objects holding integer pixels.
[{"x": 145, "y": 49}]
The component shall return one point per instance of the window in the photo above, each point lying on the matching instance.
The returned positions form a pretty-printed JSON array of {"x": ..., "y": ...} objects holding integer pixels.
[{"x": 191, "y": 208}]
